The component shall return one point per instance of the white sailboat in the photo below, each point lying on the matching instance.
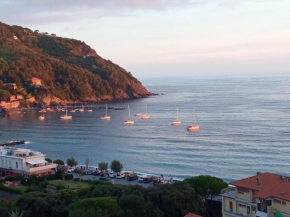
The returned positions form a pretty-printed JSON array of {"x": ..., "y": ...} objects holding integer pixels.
[
  {"x": 138, "y": 113},
  {"x": 106, "y": 117},
  {"x": 145, "y": 116},
  {"x": 194, "y": 127},
  {"x": 66, "y": 117},
  {"x": 176, "y": 122},
  {"x": 129, "y": 121},
  {"x": 82, "y": 109},
  {"x": 41, "y": 117}
]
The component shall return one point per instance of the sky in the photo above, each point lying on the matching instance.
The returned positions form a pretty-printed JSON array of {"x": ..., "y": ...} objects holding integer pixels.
[{"x": 165, "y": 38}]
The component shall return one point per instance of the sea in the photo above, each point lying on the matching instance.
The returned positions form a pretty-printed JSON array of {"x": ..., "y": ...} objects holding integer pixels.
[{"x": 244, "y": 128}]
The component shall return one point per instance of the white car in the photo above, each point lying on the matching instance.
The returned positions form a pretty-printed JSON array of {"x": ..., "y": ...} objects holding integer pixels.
[
  {"x": 120, "y": 176},
  {"x": 112, "y": 175},
  {"x": 70, "y": 170}
]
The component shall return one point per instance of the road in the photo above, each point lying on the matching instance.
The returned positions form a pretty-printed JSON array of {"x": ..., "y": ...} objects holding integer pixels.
[{"x": 115, "y": 181}]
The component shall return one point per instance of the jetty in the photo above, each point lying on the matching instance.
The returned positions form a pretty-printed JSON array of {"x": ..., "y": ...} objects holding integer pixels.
[{"x": 12, "y": 143}]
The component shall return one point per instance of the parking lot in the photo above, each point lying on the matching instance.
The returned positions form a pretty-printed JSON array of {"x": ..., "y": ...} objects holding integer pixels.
[{"x": 115, "y": 181}]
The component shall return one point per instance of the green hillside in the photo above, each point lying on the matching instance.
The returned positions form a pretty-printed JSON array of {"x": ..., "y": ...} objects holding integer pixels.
[{"x": 68, "y": 68}]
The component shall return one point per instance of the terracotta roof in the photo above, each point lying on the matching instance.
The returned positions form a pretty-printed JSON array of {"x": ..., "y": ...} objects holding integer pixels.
[
  {"x": 192, "y": 215},
  {"x": 271, "y": 185}
]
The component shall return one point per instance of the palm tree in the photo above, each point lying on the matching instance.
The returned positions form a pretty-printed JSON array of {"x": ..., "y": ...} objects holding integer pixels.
[{"x": 15, "y": 214}]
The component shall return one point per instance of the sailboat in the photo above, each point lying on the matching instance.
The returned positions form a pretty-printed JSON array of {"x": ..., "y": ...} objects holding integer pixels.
[
  {"x": 129, "y": 121},
  {"x": 176, "y": 122},
  {"x": 41, "y": 117},
  {"x": 66, "y": 117},
  {"x": 82, "y": 109},
  {"x": 138, "y": 113},
  {"x": 106, "y": 117},
  {"x": 194, "y": 127},
  {"x": 145, "y": 116}
]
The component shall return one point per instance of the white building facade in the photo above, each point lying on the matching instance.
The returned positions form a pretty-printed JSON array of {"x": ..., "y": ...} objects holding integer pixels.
[{"x": 24, "y": 162}]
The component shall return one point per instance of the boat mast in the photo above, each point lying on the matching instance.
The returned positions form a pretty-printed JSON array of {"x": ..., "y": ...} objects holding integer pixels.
[
  {"x": 176, "y": 114},
  {"x": 129, "y": 111},
  {"x": 106, "y": 110}
]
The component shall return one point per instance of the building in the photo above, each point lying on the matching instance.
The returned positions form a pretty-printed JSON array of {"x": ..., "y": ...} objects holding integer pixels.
[
  {"x": 17, "y": 161},
  {"x": 33, "y": 82},
  {"x": 10, "y": 85},
  {"x": 257, "y": 196}
]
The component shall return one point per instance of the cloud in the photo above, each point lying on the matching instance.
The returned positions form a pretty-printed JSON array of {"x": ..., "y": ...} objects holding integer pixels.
[{"x": 56, "y": 11}]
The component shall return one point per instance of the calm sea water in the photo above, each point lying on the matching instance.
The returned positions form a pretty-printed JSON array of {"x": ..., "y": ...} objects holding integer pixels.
[{"x": 245, "y": 128}]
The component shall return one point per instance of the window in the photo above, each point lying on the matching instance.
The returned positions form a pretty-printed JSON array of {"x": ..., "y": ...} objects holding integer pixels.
[
  {"x": 280, "y": 202},
  {"x": 16, "y": 165},
  {"x": 2, "y": 162},
  {"x": 242, "y": 206},
  {"x": 231, "y": 206},
  {"x": 6, "y": 163},
  {"x": 9, "y": 163}
]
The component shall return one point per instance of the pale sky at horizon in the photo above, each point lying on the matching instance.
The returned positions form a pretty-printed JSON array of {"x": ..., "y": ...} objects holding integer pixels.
[{"x": 156, "y": 38}]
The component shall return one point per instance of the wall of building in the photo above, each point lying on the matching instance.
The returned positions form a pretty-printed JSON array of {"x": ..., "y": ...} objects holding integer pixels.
[
  {"x": 226, "y": 204},
  {"x": 280, "y": 207},
  {"x": 248, "y": 196}
]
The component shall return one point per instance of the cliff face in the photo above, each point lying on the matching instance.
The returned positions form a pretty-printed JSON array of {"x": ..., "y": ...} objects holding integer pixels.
[{"x": 69, "y": 69}]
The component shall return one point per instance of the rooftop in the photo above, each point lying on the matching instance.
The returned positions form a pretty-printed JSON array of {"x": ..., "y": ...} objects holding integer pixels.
[
  {"x": 18, "y": 152},
  {"x": 267, "y": 185}
]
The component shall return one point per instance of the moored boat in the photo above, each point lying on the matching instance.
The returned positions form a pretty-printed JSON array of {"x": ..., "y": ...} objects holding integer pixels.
[
  {"x": 106, "y": 117},
  {"x": 129, "y": 121},
  {"x": 145, "y": 116},
  {"x": 193, "y": 127},
  {"x": 176, "y": 122}
]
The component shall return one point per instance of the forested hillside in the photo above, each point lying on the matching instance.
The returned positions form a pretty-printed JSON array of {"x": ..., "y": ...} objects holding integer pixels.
[{"x": 68, "y": 68}]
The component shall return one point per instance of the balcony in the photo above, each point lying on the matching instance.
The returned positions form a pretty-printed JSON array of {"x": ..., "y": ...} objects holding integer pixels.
[
  {"x": 38, "y": 168},
  {"x": 235, "y": 214}
]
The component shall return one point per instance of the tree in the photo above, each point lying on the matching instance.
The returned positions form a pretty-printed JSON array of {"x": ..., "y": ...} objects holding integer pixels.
[
  {"x": 58, "y": 162},
  {"x": 116, "y": 166},
  {"x": 94, "y": 207},
  {"x": 16, "y": 214},
  {"x": 62, "y": 172},
  {"x": 48, "y": 160},
  {"x": 36, "y": 204},
  {"x": 133, "y": 205},
  {"x": 80, "y": 173},
  {"x": 87, "y": 163},
  {"x": 206, "y": 186},
  {"x": 71, "y": 162},
  {"x": 103, "y": 166}
]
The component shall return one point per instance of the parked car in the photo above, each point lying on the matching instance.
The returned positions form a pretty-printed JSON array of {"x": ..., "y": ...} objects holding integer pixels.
[
  {"x": 132, "y": 177},
  {"x": 156, "y": 181},
  {"x": 70, "y": 170},
  {"x": 112, "y": 175},
  {"x": 97, "y": 173},
  {"x": 89, "y": 172},
  {"x": 147, "y": 179},
  {"x": 104, "y": 178},
  {"x": 120, "y": 176}
]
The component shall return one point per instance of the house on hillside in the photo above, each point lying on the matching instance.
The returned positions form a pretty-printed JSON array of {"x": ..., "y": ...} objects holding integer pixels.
[
  {"x": 12, "y": 98},
  {"x": 18, "y": 161},
  {"x": 10, "y": 85},
  {"x": 32, "y": 82},
  {"x": 261, "y": 195}
]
